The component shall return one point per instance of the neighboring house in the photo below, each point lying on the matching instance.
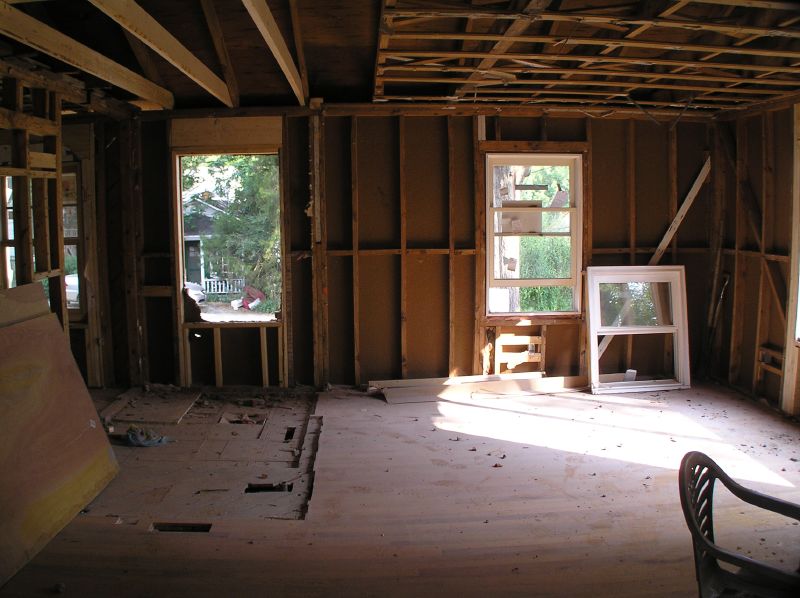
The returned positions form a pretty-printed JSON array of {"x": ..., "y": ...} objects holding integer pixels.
[{"x": 199, "y": 211}]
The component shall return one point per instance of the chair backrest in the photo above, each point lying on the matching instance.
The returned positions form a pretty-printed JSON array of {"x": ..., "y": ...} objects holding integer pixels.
[{"x": 696, "y": 479}]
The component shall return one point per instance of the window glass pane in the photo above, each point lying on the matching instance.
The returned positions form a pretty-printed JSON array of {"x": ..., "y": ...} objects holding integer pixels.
[
  {"x": 531, "y": 186},
  {"x": 635, "y": 304},
  {"x": 532, "y": 257},
  {"x": 70, "y": 222},
  {"x": 518, "y": 221},
  {"x": 71, "y": 279},
  {"x": 530, "y": 299}
]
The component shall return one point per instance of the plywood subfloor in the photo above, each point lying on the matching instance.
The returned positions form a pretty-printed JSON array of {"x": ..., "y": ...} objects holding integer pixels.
[{"x": 568, "y": 495}]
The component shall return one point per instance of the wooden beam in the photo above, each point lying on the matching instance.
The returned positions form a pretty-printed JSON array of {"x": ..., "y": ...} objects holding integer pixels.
[
  {"x": 143, "y": 57},
  {"x": 265, "y": 22},
  {"x": 684, "y": 209},
  {"x": 593, "y": 41},
  {"x": 591, "y": 59},
  {"x": 584, "y": 72},
  {"x": 486, "y": 84},
  {"x": 135, "y": 19},
  {"x": 298, "y": 45},
  {"x": 215, "y": 29},
  {"x": 526, "y": 19},
  {"x": 31, "y": 32},
  {"x": 752, "y": 4}
]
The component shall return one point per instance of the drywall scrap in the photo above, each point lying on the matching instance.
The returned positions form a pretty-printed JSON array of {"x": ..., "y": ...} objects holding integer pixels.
[{"x": 54, "y": 454}]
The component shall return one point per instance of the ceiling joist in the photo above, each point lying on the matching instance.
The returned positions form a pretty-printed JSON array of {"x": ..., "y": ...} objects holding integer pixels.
[
  {"x": 265, "y": 22},
  {"x": 435, "y": 55},
  {"x": 32, "y": 32},
  {"x": 623, "y": 23},
  {"x": 133, "y": 18},
  {"x": 561, "y": 40}
]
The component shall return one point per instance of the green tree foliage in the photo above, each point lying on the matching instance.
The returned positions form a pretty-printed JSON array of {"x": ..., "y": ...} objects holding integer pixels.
[
  {"x": 245, "y": 239},
  {"x": 546, "y": 257}
]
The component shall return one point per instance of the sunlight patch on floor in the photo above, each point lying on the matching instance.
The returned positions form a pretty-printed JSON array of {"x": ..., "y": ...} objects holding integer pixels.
[{"x": 647, "y": 432}]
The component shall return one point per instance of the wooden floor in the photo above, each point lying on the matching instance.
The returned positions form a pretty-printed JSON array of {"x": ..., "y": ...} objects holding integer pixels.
[{"x": 569, "y": 495}]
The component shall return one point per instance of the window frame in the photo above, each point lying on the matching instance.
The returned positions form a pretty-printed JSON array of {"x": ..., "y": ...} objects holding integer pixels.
[
  {"x": 180, "y": 238},
  {"x": 575, "y": 162},
  {"x": 676, "y": 277}
]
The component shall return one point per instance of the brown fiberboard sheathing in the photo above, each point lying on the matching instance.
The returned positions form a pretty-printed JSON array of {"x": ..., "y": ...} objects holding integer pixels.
[{"x": 54, "y": 454}]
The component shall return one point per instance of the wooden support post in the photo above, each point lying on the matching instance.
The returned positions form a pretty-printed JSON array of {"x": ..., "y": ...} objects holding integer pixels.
[
  {"x": 319, "y": 251},
  {"x": 716, "y": 239},
  {"x": 403, "y": 250},
  {"x": 355, "y": 240},
  {"x": 131, "y": 239},
  {"x": 739, "y": 261},
  {"x": 55, "y": 216},
  {"x": 762, "y": 313},
  {"x": 672, "y": 170},
  {"x": 451, "y": 269},
  {"x": 262, "y": 339},
  {"x": 41, "y": 232},
  {"x": 479, "y": 134},
  {"x": 630, "y": 193},
  {"x": 286, "y": 334},
  {"x": 790, "y": 398}
]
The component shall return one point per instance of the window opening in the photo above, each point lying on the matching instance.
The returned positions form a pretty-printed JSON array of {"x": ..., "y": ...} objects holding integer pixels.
[
  {"x": 231, "y": 235},
  {"x": 533, "y": 233}
]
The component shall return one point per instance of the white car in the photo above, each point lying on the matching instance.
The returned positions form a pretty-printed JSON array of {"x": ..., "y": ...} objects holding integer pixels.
[
  {"x": 195, "y": 291},
  {"x": 73, "y": 296}
]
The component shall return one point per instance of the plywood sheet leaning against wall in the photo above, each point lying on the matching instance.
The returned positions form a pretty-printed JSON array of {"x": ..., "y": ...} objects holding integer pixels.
[{"x": 54, "y": 455}]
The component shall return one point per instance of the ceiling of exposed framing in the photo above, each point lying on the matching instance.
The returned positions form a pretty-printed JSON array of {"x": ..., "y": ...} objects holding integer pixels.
[{"x": 679, "y": 56}]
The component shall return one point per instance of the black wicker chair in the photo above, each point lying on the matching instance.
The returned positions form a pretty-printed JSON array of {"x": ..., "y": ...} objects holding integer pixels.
[{"x": 697, "y": 476}]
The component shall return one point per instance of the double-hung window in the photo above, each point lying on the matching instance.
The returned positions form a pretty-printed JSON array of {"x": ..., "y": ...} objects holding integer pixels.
[{"x": 533, "y": 233}]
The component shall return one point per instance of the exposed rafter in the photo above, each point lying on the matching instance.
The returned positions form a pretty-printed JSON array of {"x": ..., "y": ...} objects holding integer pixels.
[
  {"x": 31, "y": 32},
  {"x": 265, "y": 22},
  {"x": 215, "y": 29},
  {"x": 135, "y": 19}
]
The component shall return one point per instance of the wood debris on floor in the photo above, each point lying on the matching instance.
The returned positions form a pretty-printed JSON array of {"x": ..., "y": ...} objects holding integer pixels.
[{"x": 225, "y": 453}]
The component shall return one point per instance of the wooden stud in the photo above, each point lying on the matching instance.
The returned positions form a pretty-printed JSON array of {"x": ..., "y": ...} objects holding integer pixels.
[
  {"x": 286, "y": 333},
  {"x": 403, "y": 249},
  {"x": 41, "y": 229},
  {"x": 479, "y": 134},
  {"x": 790, "y": 398},
  {"x": 451, "y": 213},
  {"x": 218, "y": 379},
  {"x": 630, "y": 192},
  {"x": 262, "y": 338},
  {"x": 739, "y": 263},
  {"x": 354, "y": 198},
  {"x": 319, "y": 251},
  {"x": 767, "y": 180}
]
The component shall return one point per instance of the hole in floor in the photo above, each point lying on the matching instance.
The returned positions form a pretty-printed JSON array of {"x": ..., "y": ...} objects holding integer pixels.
[
  {"x": 290, "y": 430},
  {"x": 181, "y": 527},
  {"x": 280, "y": 487}
]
